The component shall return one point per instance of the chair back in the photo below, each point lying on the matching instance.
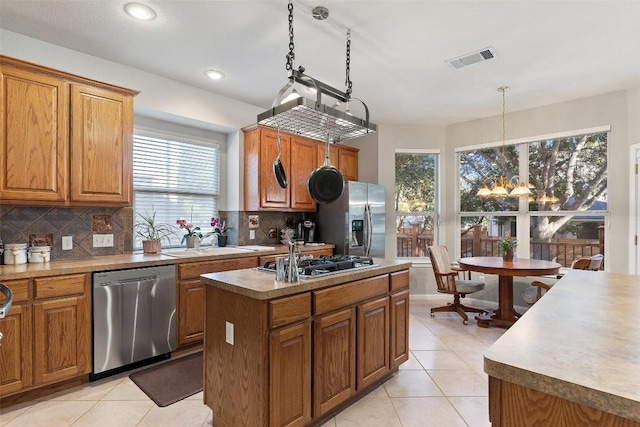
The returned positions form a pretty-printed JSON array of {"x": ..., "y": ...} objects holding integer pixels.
[
  {"x": 445, "y": 276},
  {"x": 581, "y": 263},
  {"x": 596, "y": 262}
]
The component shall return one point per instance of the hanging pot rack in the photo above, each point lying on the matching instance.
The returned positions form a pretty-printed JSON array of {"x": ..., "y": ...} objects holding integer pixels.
[{"x": 311, "y": 118}]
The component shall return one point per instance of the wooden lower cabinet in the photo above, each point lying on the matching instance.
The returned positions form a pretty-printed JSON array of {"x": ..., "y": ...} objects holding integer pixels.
[
  {"x": 334, "y": 349},
  {"x": 47, "y": 334},
  {"x": 191, "y": 312},
  {"x": 15, "y": 351},
  {"x": 62, "y": 339},
  {"x": 399, "y": 315},
  {"x": 373, "y": 341},
  {"x": 190, "y": 299},
  {"x": 298, "y": 359},
  {"x": 290, "y": 373}
]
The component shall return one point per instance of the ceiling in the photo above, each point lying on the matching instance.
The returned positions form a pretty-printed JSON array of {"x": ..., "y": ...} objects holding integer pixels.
[{"x": 547, "y": 51}]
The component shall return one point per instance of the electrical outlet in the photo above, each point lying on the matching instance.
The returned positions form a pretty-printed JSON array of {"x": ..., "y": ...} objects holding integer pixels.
[
  {"x": 252, "y": 234},
  {"x": 229, "y": 332},
  {"x": 103, "y": 240},
  {"x": 67, "y": 243}
]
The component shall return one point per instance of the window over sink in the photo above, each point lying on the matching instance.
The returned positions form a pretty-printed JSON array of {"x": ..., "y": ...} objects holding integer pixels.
[{"x": 177, "y": 177}]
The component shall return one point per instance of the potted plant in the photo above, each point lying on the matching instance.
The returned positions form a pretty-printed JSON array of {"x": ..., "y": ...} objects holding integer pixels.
[
  {"x": 151, "y": 232},
  {"x": 507, "y": 245},
  {"x": 193, "y": 235},
  {"x": 220, "y": 229}
]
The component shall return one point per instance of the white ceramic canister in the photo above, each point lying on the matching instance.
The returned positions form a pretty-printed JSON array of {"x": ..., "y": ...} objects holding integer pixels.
[
  {"x": 15, "y": 253},
  {"x": 39, "y": 254}
]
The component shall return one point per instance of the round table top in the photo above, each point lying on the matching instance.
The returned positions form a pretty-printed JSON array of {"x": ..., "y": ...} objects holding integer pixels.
[{"x": 519, "y": 266}]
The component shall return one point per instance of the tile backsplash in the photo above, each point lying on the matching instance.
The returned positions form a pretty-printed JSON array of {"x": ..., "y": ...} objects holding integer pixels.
[
  {"x": 29, "y": 224},
  {"x": 23, "y": 224}
]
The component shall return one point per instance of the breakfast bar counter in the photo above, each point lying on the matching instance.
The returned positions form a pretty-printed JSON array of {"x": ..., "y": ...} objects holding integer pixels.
[{"x": 573, "y": 359}]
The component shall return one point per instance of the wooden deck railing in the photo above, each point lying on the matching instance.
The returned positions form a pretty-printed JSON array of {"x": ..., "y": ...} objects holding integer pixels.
[{"x": 413, "y": 242}]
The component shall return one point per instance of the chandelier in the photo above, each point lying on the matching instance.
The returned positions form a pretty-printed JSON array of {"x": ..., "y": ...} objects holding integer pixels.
[{"x": 501, "y": 186}]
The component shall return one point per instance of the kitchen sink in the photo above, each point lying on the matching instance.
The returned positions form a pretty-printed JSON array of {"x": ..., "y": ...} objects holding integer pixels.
[{"x": 214, "y": 250}]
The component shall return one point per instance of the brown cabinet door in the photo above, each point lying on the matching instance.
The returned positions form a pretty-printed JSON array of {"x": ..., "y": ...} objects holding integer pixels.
[
  {"x": 15, "y": 351},
  {"x": 62, "y": 339},
  {"x": 290, "y": 376},
  {"x": 322, "y": 154},
  {"x": 33, "y": 147},
  {"x": 271, "y": 194},
  {"x": 399, "y": 328},
  {"x": 334, "y": 373},
  {"x": 348, "y": 163},
  {"x": 190, "y": 312},
  {"x": 101, "y": 146},
  {"x": 373, "y": 341},
  {"x": 303, "y": 163}
]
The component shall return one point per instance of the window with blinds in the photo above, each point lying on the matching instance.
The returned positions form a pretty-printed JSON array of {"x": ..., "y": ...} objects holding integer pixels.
[{"x": 177, "y": 178}]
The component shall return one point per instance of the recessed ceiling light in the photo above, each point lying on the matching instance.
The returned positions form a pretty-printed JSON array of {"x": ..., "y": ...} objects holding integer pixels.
[
  {"x": 214, "y": 74},
  {"x": 140, "y": 11}
]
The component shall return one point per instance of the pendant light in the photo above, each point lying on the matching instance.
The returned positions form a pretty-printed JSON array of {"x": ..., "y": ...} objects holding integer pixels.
[{"x": 501, "y": 185}]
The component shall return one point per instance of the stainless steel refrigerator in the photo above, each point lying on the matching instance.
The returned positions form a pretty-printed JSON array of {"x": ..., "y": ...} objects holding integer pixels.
[{"x": 354, "y": 222}]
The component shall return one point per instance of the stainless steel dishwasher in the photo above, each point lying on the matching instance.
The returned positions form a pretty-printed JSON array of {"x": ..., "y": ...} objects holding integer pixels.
[{"x": 134, "y": 318}]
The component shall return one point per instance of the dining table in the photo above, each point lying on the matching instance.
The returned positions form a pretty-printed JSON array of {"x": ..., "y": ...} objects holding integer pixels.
[{"x": 506, "y": 315}]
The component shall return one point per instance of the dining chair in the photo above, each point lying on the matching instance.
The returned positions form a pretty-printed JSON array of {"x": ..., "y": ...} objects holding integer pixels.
[
  {"x": 448, "y": 283},
  {"x": 531, "y": 294}
]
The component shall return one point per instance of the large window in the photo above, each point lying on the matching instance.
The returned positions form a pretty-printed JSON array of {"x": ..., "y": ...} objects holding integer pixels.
[
  {"x": 175, "y": 177},
  {"x": 416, "y": 201},
  {"x": 564, "y": 217}
]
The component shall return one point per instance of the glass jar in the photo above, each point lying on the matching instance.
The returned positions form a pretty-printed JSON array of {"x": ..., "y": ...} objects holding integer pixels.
[
  {"x": 39, "y": 254},
  {"x": 15, "y": 253}
]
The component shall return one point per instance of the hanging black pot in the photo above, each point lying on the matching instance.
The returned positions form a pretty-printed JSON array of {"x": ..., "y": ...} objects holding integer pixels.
[
  {"x": 278, "y": 169},
  {"x": 325, "y": 184}
]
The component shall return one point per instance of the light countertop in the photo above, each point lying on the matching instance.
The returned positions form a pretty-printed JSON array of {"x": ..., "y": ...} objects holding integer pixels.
[
  {"x": 580, "y": 342},
  {"x": 262, "y": 285},
  {"x": 132, "y": 260}
]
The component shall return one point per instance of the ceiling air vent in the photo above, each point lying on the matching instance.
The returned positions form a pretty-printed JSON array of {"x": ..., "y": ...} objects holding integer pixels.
[{"x": 473, "y": 57}]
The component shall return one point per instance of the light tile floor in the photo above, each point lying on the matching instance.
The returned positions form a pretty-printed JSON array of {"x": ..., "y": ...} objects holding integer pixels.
[{"x": 442, "y": 384}]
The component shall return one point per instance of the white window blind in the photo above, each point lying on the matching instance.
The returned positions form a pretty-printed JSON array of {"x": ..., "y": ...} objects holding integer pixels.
[{"x": 177, "y": 178}]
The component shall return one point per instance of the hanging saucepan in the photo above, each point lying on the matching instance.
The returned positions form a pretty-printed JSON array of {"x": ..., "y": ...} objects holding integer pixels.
[
  {"x": 278, "y": 169},
  {"x": 325, "y": 184}
]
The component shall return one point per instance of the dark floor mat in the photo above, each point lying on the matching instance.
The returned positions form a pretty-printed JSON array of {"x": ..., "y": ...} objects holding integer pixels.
[{"x": 171, "y": 381}]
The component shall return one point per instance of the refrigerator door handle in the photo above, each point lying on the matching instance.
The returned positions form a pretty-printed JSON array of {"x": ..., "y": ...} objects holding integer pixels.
[{"x": 369, "y": 231}]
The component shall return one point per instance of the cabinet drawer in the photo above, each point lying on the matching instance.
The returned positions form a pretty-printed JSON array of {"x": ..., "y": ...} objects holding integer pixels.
[
  {"x": 59, "y": 286},
  {"x": 349, "y": 294},
  {"x": 20, "y": 289},
  {"x": 399, "y": 281},
  {"x": 289, "y": 310},
  {"x": 193, "y": 270}
]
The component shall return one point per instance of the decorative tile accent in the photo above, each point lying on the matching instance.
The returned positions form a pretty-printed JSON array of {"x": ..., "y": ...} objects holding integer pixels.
[
  {"x": 41, "y": 240},
  {"x": 101, "y": 223},
  {"x": 254, "y": 221}
]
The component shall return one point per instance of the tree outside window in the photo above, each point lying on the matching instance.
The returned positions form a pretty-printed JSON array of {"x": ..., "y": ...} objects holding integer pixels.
[
  {"x": 416, "y": 202},
  {"x": 566, "y": 212}
]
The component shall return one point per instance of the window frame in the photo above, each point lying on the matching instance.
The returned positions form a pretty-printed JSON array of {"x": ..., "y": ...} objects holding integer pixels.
[
  {"x": 185, "y": 138},
  {"x": 523, "y": 214},
  {"x": 436, "y": 214}
]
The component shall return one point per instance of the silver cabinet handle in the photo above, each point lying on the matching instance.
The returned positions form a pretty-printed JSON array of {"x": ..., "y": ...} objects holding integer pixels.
[{"x": 4, "y": 310}]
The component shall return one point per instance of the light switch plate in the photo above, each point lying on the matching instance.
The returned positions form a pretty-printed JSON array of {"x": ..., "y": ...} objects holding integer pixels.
[
  {"x": 252, "y": 234},
  {"x": 229, "y": 334},
  {"x": 67, "y": 243},
  {"x": 103, "y": 240}
]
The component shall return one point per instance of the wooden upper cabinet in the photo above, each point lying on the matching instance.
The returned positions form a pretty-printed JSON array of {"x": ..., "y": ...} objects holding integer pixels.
[
  {"x": 101, "y": 145},
  {"x": 303, "y": 163},
  {"x": 298, "y": 158},
  {"x": 66, "y": 140},
  {"x": 33, "y": 148},
  {"x": 342, "y": 157},
  {"x": 348, "y": 163}
]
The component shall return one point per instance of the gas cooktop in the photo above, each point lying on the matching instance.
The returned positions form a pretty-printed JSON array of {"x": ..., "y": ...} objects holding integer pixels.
[{"x": 309, "y": 268}]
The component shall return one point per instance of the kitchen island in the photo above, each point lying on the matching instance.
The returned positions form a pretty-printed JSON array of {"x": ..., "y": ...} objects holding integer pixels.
[
  {"x": 293, "y": 354},
  {"x": 572, "y": 359}
]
